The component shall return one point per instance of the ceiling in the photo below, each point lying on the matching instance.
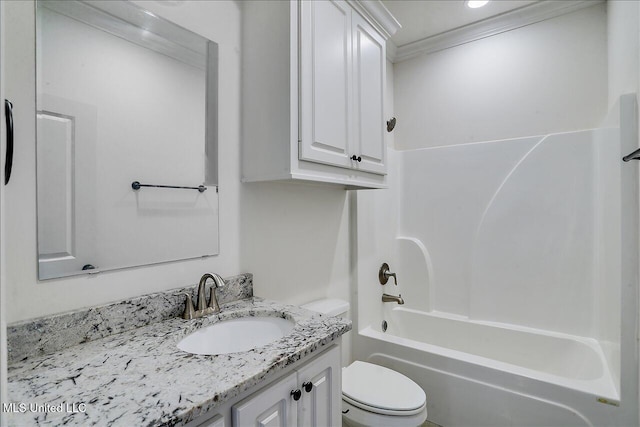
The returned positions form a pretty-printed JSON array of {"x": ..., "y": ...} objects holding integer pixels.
[{"x": 425, "y": 18}]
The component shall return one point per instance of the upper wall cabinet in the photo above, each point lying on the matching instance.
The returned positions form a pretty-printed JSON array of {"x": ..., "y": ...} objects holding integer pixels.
[
  {"x": 313, "y": 94},
  {"x": 369, "y": 73}
]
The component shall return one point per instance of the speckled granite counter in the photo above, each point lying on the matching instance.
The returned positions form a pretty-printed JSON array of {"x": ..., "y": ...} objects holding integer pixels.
[{"x": 140, "y": 378}]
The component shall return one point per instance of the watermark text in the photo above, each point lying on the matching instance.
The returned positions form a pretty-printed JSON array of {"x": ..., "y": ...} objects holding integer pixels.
[{"x": 64, "y": 407}]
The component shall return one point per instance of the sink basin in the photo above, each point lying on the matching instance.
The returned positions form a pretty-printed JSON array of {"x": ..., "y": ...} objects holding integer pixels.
[{"x": 234, "y": 335}]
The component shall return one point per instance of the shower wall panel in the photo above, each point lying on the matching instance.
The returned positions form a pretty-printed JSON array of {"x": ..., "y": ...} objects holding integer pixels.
[{"x": 510, "y": 230}]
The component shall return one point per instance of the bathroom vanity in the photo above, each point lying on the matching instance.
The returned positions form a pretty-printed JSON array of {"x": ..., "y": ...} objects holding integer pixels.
[
  {"x": 119, "y": 364},
  {"x": 286, "y": 401}
]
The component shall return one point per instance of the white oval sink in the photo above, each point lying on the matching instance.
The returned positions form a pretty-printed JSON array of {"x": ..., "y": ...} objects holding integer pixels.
[{"x": 234, "y": 335}]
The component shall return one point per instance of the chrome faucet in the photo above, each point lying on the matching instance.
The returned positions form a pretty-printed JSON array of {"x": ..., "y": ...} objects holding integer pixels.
[
  {"x": 392, "y": 298},
  {"x": 203, "y": 308}
]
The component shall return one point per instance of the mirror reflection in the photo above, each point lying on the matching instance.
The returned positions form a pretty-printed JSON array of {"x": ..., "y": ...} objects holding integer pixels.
[{"x": 123, "y": 96}]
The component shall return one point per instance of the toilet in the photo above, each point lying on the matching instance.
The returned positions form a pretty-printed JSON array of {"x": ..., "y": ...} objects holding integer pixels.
[{"x": 374, "y": 395}]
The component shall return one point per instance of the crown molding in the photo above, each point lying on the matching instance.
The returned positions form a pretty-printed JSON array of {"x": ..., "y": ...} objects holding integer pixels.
[
  {"x": 392, "y": 50},
  {"x": 508, "y": 21},
  {"x": 378, "y": 15}
]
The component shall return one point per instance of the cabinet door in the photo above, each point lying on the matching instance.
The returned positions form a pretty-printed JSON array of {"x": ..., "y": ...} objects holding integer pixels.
[
  {"x": 272, "y": 407},
  {"x": 369, "y": 70},
  {"x": 321, "y": 407},
  {"x": 325, "y": 82},
  {"x": 217, "y": 421}
]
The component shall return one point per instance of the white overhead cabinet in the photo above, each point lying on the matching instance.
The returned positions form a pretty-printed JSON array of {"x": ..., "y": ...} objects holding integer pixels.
[
  {"x": 326, "y": 83},
  {"x": 313, "y": 94},
  {"x": 369, "y": 69}
]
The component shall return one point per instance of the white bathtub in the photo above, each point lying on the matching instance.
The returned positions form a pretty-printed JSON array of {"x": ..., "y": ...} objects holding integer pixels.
[{"x": 478, "y": 373}]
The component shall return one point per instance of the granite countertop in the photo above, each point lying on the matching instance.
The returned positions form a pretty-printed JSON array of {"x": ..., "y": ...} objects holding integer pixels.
[{"x": 140, "y": 378}]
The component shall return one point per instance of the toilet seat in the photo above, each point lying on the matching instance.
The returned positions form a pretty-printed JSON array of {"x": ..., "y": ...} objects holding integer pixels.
[
  {"x": 381, "y": 390},
  {"x": 381, "y": 411}
]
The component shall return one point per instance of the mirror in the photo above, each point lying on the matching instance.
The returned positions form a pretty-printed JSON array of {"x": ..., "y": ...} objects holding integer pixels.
[{"x": 123, "y": 96}]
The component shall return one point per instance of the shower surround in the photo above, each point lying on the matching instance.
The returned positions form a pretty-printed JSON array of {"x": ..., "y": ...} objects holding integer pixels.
[{"x": 517, "y": 260}]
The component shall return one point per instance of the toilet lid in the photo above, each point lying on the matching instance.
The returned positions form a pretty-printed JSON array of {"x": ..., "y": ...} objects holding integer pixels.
[{"x": 377, "y": 387}]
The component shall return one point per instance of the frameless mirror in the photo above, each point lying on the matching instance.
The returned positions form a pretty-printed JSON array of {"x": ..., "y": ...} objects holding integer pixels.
[{"x": 126, "y": 139}]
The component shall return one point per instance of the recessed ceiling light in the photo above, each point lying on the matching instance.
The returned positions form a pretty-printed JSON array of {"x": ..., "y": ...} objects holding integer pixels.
[{"x": 474, "y": 4}]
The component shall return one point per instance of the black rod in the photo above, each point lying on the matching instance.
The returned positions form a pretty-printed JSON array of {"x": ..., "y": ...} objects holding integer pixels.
[
  {"x": 136, "y": 186},
  {"x": 8, "y": 116},
  {"x": 632, "y": 156}
]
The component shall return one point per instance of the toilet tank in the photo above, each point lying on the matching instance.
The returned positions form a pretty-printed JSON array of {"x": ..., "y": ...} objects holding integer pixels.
[
  {"x": 334, "y": 307},
  {"x": 329, "y": 306}
]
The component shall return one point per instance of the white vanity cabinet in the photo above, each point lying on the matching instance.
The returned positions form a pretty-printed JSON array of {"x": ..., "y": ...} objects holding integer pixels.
[
  {"x": 322, "y": 404},
  {"x": 316, "y": 385},
  {"x": 273, "y": 406},
  {"x": 313, "y": 86},
  {"x": 217, "y": 421}
]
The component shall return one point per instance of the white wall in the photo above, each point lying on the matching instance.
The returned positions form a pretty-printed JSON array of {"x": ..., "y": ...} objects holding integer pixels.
[
  {"x": 29, "y": 298},
  {"x": 375, "y": 226},
  {"x": 3, "y": 298},
  {"x": 623, "y": 31},
  {"x": 294, "y": 240},
  {"x": 376, "y": 229},
  {"x": 543, "y": 78},
  {"x": 390, "y": 104},
  {"x": 623, "y": 47},
  {"x": 303, "y": 231}
]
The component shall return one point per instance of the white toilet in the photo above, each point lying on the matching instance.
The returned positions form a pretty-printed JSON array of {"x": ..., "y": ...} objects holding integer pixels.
[{"x": 373, "y": 395}]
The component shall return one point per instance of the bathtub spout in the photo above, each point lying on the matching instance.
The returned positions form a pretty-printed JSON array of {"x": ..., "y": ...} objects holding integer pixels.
[{"x": 392, "y": 298}]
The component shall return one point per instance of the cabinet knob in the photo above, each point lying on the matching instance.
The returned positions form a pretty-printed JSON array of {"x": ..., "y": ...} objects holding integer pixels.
[
  {"x": 308, "y": 386},
  {"x": 297, "y": 394},
  {"x": 357, "y": 159}
]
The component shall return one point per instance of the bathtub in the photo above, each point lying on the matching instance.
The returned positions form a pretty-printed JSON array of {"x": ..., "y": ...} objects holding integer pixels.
[{"x": 490, "y": 374}]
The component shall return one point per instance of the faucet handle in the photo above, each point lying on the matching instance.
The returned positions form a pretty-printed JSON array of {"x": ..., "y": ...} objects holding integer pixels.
[
  {"x": 384, "y": 274},
  {"x": 189, "y": 311}
]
